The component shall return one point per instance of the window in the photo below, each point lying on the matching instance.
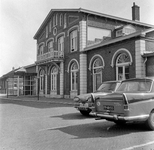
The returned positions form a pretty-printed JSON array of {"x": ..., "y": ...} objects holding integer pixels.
[
  {"x": 50, "y": 46},
  {"x": 135, "y": 86},
  {"x": 97, "y": 73},
  {"x": 54, "y": 73},
  {"x": 65, "y": 21},
  {"x": 122, "y": 66},
  {"x": 41, "y": 80},
  {"x": 73, "y": 41},
  {"x": 56, "y": 20},
  {"x": 40, "y": 50},
  {"x": 74, "y": 77},
  {"x": 61, "y": 44},
  {"x": 50, "y": 26},
  {"x": 46, "y": 31},
  {"x": 96, "y": 35},
  {"x": 61, "y": 19}
]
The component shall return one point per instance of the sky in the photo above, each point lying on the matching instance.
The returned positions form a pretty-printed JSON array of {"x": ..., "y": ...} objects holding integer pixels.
[{"x": 20, "y": 20}]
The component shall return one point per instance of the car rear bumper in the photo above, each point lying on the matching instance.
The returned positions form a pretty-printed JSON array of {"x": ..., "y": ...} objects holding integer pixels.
[{"x": 124, "y": 118}]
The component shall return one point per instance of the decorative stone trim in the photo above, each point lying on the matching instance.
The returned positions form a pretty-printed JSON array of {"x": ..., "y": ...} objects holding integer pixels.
[
  {"x": 50, "y": 39},
  {"x": 83, "y": 73},
  {"x": 61, "y": 78},
  {"x": 68, "y": 68},
  {"x": 140, "y": 65},
  {"x": 83, "y": 35},
  {"x": 93, "y": 58},
  {"x": 59, "y": 35},
  {"x": 76, "y": 27},
  {"x": 118, "y": 52}
]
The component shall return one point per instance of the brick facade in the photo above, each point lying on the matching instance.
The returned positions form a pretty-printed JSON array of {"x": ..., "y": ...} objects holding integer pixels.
[{"x": 85, "y": 51}]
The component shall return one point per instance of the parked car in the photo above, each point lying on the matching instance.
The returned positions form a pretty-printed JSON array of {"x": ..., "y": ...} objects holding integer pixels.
[
  {"x": 133, "y": 101},
  {"x": 83, "y": 102}
]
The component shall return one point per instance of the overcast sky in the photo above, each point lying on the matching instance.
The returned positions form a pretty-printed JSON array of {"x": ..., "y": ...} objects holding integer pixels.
[{"x": 20, "y": 20}]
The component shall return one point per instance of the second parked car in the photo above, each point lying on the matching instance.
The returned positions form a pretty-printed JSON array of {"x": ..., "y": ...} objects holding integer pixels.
[
  {"x": 84, "y": 103},
  {"x": 132, "y": 102}
]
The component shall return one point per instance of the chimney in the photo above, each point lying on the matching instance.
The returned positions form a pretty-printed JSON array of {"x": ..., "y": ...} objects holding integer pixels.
[{"x": 135, "y": 12}]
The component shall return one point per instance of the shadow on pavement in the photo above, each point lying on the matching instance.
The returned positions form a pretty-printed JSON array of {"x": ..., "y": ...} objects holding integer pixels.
[
  {"x": 101, "y": 129},
  {"x": 73, "y": 116}
]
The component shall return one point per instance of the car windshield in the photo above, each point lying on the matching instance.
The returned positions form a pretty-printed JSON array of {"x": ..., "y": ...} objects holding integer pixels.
[
  {"x": 135, "y": 86},
  {"x": 107, "y": 87}
]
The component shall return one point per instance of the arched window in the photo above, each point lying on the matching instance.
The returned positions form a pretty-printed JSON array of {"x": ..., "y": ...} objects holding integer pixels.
[
  {"x": 56, "y": 19},
  {"x": 42, "y": 80},
  {"x": 61, "y": 44},
  {"x": 50, "y": 46},
  {"x": 97, "y": 73},
  {"x": 122, "y": 66},
  {"x": 74, "y": 76},
  {"x": 54, "y": 72},
  {"x": 64, "y": 20},
  {"x": 40, "y": 49}
]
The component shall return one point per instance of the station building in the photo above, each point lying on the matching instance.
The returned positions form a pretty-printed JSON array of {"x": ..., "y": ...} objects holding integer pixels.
[{"x": 78, "y": 49}]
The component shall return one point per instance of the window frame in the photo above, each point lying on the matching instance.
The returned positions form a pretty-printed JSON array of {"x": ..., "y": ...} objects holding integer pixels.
[
  {"x": 96, "y": 73},
  {"x": 60, "y": 44},
  {"x": 54, "y": 73},
  {"x": 73, "y": 40},
  {"x": 74, "y": 77},
  {"x": 122, "y": 65}
]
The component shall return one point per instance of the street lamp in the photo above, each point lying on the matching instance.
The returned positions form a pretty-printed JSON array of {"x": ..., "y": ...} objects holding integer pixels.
[
  {"x": 7, "y": 87},
  {"x": 38, "y": 87}
]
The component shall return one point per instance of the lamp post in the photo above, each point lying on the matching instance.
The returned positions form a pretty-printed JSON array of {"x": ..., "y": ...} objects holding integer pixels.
[
  {"x": 38, "y": 87},
  {"x": 7, "y": 88}
]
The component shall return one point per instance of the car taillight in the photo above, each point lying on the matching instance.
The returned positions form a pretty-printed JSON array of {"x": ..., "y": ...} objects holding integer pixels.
[{"x": 126, "y": 107}]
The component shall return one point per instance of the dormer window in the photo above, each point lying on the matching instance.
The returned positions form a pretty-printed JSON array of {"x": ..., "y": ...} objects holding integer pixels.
[{"x": 125, "y": 30}]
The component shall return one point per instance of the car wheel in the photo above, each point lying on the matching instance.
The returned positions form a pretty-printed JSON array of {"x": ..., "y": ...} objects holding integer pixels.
[
  {"x": 85, "y": 112},
  {"x": 150, "y": 121},
  {"x": 120, "y": 122}
]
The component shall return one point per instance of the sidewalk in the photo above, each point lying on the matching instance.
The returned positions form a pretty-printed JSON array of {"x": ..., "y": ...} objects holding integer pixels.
[{"x": 38, "y": 99}]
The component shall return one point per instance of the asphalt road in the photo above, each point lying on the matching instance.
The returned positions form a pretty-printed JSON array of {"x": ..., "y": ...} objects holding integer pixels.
[{"x": 49, "y": 126}]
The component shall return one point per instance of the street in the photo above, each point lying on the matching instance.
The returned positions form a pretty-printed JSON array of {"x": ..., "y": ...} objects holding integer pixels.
[{"x": 26, "y": 125}]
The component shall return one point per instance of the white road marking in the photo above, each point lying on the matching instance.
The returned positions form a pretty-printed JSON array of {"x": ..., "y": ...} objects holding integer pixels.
[{"x": 139, "y": 146}]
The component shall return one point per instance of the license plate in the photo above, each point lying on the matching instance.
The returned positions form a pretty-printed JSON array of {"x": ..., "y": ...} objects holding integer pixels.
[{"x": 108, "y": 107}]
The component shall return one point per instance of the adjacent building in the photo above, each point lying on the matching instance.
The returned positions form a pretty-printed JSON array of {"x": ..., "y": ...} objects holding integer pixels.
[
  {"x": 20, "y": 81},
  {"x": 78, "y": 49}
]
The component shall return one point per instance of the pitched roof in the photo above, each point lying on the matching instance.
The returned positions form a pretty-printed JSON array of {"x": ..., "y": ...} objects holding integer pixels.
[
  {"x": 88, "y": 12},
  {"x": 119, "y": 39}
]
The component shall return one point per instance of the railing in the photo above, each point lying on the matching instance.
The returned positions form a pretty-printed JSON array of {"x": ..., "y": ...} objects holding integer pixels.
[{"x": 51, "y": 54}]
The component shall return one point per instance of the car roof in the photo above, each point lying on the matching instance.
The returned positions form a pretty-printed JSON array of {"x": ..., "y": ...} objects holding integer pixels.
[{"x": 143, "y": 78}]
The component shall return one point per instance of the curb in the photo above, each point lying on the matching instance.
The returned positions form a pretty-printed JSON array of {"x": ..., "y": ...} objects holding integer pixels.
[{"x": 39, "y": 101}]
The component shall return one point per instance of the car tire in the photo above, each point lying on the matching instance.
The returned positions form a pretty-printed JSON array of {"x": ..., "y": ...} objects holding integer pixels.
[
  {"x": 85, "y": 112},
  {"x": 150, "y": 121}
]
